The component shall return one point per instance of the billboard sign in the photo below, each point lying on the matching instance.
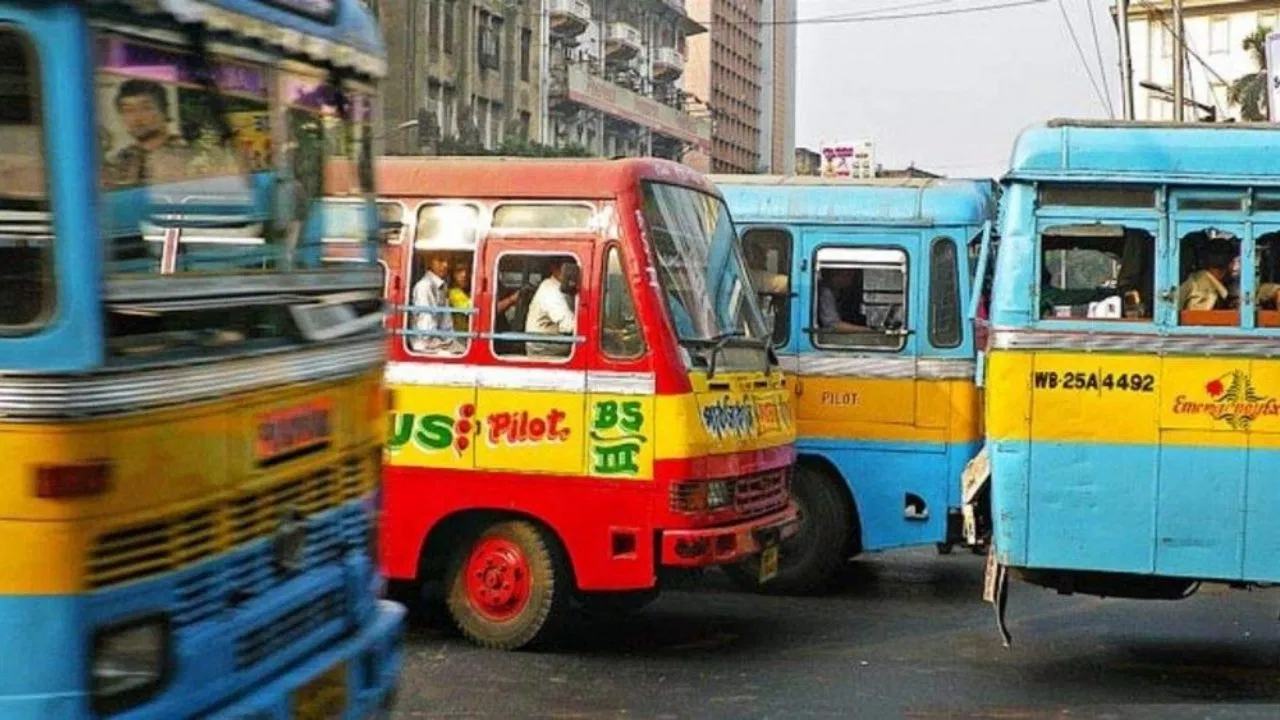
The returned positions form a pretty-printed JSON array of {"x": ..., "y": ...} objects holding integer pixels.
[{"x": 848, "y": 159}]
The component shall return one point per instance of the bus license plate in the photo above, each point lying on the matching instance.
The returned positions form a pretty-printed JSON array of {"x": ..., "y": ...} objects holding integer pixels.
[
  {"x": 324, "y": 698},
  {"x": 768, "y": 563}
]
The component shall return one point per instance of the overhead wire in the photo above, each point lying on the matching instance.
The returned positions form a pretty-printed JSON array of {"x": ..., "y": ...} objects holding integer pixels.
[
  {"x": 872, "y": 15},
  {"x": 1084, "y": 63},
  {"x": 1102, "y": 66}
]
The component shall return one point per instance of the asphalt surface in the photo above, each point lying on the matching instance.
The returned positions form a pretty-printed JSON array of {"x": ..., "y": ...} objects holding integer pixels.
[{"x": 903, "y": 634}]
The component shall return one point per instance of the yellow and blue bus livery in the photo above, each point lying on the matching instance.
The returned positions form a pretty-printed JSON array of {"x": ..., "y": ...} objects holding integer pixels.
[
  {"x": 1133, "y": 372},
  {"x": 869, "y": 284},
  {"x": 191, "y": 406}
]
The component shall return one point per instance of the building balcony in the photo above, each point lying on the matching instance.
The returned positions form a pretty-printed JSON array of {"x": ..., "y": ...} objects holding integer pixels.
[
  {"x": 622, "y": 42},
  {"x": 568, "y": 18},
  {"x": 668, "y": 64}
]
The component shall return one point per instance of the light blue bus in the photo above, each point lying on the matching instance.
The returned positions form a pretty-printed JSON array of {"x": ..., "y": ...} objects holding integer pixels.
[
  {"x": 192, "y": 411},
  {"x": 869, "y": 283},
  {"x": 1133, "y": 371}
]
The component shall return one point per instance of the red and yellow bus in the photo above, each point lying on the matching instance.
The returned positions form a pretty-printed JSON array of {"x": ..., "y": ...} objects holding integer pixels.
[{"x": 584, "y": 394}]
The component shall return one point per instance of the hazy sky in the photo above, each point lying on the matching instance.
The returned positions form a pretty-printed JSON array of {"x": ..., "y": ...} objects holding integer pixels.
[{"x": 948, "y": 92}]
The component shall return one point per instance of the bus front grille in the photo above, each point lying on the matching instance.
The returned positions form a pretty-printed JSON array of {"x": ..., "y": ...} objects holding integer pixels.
[{"x": 184, "y": 537}]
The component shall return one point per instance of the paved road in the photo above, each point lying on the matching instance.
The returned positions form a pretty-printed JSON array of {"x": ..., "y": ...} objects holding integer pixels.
[{"x": 903, "y": 635}]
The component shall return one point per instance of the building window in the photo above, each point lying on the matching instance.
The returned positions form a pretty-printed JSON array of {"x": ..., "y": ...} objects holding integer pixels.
[
  {"x": 1166, "y": 39},
  {"x": 1219, "y": 36},
  {"x": 433, "y": 24},
  {"x": 526, "y": 58},
  {"x": 448, "y": 27},
  {"x": 488, "y": 45}
]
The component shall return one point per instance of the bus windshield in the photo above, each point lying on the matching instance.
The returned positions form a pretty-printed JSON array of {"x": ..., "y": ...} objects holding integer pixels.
[
  {"x": 188, "y": 166},
  {"x": 702, "y": 272}
]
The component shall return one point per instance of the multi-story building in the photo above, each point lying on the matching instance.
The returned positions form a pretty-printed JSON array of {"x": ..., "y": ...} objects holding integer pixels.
[
  {"x": 615, "y": 78},
  {"x": 1214, "y": 32},
  {"x": 778, "y": 78},
  {"x": 468, "y": 70},
  {"x": 744, "y": 70}
]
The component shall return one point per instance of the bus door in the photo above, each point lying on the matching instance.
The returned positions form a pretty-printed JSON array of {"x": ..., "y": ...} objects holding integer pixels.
[
  {"x": 858, "y": 382},
  {"x": 1203, "y": 466},
  {"x": 537, "y": 302}
]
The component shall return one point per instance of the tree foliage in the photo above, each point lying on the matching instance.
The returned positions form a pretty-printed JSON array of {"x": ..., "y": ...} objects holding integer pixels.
[{"x": 1249, "y": 92}]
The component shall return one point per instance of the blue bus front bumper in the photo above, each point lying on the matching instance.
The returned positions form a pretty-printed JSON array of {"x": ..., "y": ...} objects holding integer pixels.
[{"x": 372, "y": 662}]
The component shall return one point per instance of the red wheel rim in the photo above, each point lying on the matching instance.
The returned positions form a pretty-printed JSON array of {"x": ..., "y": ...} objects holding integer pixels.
[{"x": 498, "y": 582}]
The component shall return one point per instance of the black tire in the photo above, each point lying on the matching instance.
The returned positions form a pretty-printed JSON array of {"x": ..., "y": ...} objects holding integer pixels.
[
  {"x": 609, "y": 605},
  {"x": 809, "y": 560},
  {"x": 531, "y": 623}
]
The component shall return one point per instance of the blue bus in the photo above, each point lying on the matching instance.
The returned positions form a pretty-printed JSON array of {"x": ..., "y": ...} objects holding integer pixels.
[
  {"x": 869, "y": 283},
  {"x": 191, "y": 398},
  {"x": 1133, "y": 367}
]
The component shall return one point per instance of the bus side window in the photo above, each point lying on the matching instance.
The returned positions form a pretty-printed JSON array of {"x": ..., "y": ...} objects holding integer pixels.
[
  {"x": 26, "y": 231},
  {"x": 944, "y": 294},
  {"x": 1209, "y": 267},
  {"x": 620, "y": 335},
  {"x": 536, "y": 295},
  {"x": 1267, "y": 287},
  {"x": 440, "y": 290},
  {"x": 1096, "y": 272},
  {"x": 859, "y": 299},
  {"x": 768, "y": 255}
]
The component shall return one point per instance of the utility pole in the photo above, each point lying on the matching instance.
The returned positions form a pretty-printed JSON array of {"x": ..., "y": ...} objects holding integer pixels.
[
  {"x": 1126, "y": 60},
  {"x": 1179, "y": 60}
]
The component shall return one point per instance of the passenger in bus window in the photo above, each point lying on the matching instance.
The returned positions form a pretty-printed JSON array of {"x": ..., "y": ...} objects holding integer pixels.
[
  {"x": 460, "y": 295},
  {"x": 839, "y": 306},
  {"x": 550, "y": 312},
  {"x": 432, "y": 292},
  {"x": 1206, "y": 289}
]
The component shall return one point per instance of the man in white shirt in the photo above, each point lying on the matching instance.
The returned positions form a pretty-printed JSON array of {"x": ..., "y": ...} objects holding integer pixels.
[
  {"x": 550, "y": 314},
  {"x": 432, "y": 291}
]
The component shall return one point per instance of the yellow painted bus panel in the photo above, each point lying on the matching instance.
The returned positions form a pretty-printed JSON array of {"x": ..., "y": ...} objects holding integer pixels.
[
  {"x": 531, "y": 431},
  {"x": 620, "y": 440}
]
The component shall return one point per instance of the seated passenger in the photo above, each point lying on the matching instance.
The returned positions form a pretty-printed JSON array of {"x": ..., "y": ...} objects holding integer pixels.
[
  {"x": 550, "y": 314},
  {"x": 431, "y": 292},
  {"x": 460, "y": 297},
  {"x": 838, "y": 302},
  {"x": 1206, "y": 289}
]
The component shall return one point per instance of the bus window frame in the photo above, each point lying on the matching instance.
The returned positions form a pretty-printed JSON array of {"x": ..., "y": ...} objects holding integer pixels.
[
  {"x": 1151, "y": 223},
  {"x": 39, "y": 96},
  {"x": 904, "y": 337},
  {"x": 1180, "y": 226},
  {"x": 601, "y": 300},
  {"x": 492, "y": 209},
  {"x": 958, "y": 294},
  {"x": 410, "y": 241},
  {"x": 788, "y": 317},
  {"x": 581, "y": 252}
]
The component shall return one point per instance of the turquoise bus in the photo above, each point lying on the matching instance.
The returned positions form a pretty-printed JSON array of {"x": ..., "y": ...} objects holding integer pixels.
[
  {"x": 869, "y": 284},
  {"x": 1133, "y": 366},
  {"x": 191, "y": 400}
]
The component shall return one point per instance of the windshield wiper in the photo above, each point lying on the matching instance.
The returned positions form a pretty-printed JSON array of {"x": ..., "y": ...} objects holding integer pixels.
[{"x": 716, "y": 345}]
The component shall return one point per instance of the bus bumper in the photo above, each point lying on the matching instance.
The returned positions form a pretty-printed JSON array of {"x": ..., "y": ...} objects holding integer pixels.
[
  {"x": 727, "y": 544},
  {"x": 370, "y": 662}
]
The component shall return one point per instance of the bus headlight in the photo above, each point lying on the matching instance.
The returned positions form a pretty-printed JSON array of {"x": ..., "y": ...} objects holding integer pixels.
[{"x": 129, "y": 663}]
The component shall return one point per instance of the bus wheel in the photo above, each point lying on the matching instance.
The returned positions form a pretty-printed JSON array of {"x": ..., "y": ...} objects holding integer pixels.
[
  {"x": 508, "y": 587},
  {"x": 615, "y": 604},
  {"x": 809, "y": 559}
]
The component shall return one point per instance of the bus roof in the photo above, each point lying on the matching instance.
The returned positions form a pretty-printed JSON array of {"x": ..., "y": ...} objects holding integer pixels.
[
  {"x": 799, "y": 198},
  {"x": 341, "y": 32},
  {"x": 1150, "y": 152},
  {"x": 527, "y": 178}
]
